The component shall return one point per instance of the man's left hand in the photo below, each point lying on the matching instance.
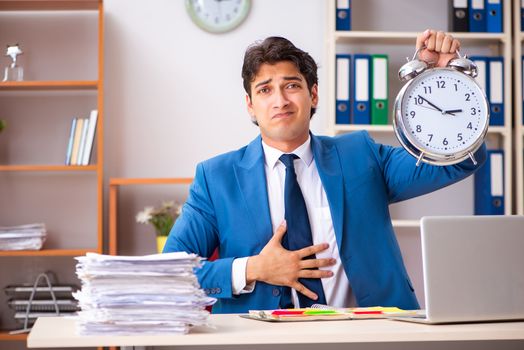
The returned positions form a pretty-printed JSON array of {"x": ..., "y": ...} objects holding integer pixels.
[{"x": 440, "y": 47}]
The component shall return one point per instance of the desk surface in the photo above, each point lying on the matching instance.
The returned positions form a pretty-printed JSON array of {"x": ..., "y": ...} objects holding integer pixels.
[{"x": 234, "y": 330}]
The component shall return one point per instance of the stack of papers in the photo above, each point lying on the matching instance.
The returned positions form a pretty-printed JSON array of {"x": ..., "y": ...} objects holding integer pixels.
[
  {"x": 150, "y": 294},
  {"x": 23, "y": 237},
  {"x": 325, "y": 313}
]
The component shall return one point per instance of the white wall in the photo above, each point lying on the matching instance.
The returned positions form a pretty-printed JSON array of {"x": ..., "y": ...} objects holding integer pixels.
[{"x": 173, "y": 93}]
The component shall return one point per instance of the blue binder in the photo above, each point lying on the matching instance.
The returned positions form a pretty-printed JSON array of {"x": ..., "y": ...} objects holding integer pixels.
[
  {"x": 343, "y": 89},
  {"x": 496, "y": 90},
  {"x": 477, "y": 16},
  {"x": 343, "y": 15},
  {"x": 494, "y": 16},
  {"x": 489, "y": 185},
  {"x": 361, "y": 74},
  {"x": 483, "y": 72}
]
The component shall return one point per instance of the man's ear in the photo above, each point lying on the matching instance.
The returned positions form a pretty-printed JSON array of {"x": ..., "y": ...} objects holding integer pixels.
[
  {"x": 249, "y": 105},
  {"x": 314, "y": 96},
  {"x": 250, "y": 110}
]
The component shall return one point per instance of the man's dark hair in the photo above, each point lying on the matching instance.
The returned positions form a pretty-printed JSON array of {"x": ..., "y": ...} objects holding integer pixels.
[{"x": 273, "y": 50}]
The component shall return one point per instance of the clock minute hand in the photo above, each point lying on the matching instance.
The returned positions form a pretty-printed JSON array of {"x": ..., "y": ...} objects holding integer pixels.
[{"x": 431, "y": 104}]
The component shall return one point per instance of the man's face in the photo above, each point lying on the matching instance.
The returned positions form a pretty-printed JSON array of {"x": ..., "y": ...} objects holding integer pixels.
[{"x": 281, "y": 104}]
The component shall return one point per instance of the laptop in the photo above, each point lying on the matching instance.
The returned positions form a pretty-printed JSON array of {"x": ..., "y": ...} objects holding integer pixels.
[{"x": 473, "y": 269}]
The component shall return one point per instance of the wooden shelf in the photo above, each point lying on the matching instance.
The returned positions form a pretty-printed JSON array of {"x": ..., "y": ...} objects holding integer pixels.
[
  {"x": 342, "y": 128},
  {"x": 4, "y": 335},
  {"x": 48, "y": 167},
  {"x": 406, "y": 223},
  {"x": 47, "y": 252},
  {"x": 115, "y": 184},
  {"x": 149, "y": 181},
  {"x": 48, "y": 85},
  {"x": 409, "y": 37},
  {"x": 54, "y": 5}
]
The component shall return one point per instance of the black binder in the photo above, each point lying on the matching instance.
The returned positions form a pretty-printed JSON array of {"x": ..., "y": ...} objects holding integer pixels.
[{"x": 459, "y": 16}]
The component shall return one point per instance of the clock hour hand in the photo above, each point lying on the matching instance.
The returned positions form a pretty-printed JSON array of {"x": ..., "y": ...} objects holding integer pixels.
[
  {"x": 431, "y": 104},
  {"x": 453, "y": 111}
]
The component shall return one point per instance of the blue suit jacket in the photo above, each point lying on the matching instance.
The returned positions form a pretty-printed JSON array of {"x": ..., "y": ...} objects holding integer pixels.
[{"x": 228, "y": 208}]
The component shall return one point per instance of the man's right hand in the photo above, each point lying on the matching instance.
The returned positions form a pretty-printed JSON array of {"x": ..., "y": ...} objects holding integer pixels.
[{"x": 279, "y": 266}]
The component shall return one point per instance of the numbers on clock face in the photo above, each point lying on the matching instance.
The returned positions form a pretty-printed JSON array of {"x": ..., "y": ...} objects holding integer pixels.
[
  {"x": 219, "y": 13},
  {"x": 443, "y": 111}
]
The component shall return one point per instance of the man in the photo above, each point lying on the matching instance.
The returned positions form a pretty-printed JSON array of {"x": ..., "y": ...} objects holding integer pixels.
[{"x": 336, "y": 245}]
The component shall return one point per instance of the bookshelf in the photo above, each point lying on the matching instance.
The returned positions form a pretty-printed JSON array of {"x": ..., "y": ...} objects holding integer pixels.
[
  {"x": 518, "y": 38},
  {"x": 64, "y": 78},
  {"x": 391, "y": 27},
  {"x": 395, "y": 35}
]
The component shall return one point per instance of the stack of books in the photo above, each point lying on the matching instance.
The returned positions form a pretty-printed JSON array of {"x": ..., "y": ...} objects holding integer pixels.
[
  {"x": 23, "y": 237},
  {"x": 42, "y": 304},
  {"x": 81, "y": 140},
  {"x": 130, "y": 295}
]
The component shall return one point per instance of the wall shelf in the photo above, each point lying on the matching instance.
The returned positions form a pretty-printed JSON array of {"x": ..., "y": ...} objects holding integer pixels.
[
  {"x": 48, "y": 85},
  {"x": 47, "y": 252},
  {"x": 48, "y": 167}
]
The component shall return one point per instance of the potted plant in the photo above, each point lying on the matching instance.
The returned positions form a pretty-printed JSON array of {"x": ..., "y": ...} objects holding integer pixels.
[{"x": 162, "y": 219}]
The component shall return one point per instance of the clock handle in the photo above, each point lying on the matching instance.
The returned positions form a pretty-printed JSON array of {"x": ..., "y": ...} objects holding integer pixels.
[
  {"x": 472, "y": 158},
  {"x": 464, "y": 64},
  {"x": 413, "y": 67}
]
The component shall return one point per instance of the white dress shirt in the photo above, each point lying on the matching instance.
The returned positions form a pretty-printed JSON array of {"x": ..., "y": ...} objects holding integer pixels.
[{"x": 336, "y": 288}]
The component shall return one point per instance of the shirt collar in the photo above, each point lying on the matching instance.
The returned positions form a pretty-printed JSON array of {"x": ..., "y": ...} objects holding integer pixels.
[{"x": 303, "y": 151}]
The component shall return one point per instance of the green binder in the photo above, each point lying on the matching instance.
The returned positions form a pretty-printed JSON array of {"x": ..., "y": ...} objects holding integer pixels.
[{"x": 379, "y": 89}]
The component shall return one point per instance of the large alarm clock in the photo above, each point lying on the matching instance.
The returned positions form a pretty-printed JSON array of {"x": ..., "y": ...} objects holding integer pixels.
[{"x": 441, "y": 116}]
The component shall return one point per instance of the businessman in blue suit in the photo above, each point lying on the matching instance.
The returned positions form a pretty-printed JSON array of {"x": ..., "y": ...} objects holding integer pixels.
[{"x": 342, "y": 249}]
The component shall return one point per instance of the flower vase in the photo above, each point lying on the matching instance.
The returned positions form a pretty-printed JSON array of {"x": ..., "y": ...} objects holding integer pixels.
[{"x": 160, "y": 243}]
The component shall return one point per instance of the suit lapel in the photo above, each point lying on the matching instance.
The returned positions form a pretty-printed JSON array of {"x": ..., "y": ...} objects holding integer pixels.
[
  {"x": 251, "y": 178},
  {"x": 330, "y": 172}
]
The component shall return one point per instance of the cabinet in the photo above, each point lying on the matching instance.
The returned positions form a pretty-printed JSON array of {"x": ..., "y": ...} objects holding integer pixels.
[
  {"x": 518, "y": 135},
  {"x": 63, "y": 71},
  {"x": 390, "y": 27}
]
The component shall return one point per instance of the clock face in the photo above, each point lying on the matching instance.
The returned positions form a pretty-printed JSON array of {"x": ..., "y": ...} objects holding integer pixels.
[
  {"x": 218, "y": 16},
  {"x": 444, "y": 112}
]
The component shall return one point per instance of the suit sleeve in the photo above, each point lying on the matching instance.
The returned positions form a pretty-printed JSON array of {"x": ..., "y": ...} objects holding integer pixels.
[
  {"x": 195, "y": 231},
  {"x": 404, "y": 180}
]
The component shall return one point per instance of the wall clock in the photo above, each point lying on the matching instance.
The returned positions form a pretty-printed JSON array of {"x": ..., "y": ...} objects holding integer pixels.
[{"x": 218, "y": 16}]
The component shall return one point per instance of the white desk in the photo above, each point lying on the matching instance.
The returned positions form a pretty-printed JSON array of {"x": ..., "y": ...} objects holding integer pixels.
[{"x": 233, "y": 332}]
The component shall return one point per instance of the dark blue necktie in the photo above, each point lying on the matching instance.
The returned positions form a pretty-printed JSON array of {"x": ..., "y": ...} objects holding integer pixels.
[{"x": 298, "y": 233}]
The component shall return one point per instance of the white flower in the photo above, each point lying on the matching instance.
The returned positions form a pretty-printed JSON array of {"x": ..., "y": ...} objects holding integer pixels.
[{"x": 144, "y": 216}]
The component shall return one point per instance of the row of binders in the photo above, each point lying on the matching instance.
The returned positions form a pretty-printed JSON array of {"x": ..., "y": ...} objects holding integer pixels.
[
  {"x": 476, "y": 16},
  {"x": 464, "y": 15},
  {"x": 81, "y": 140},
  {"x": 491, "y": 80},
  {"x": 361, "y": 89},
  {"x": 489, "y": 185}
]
